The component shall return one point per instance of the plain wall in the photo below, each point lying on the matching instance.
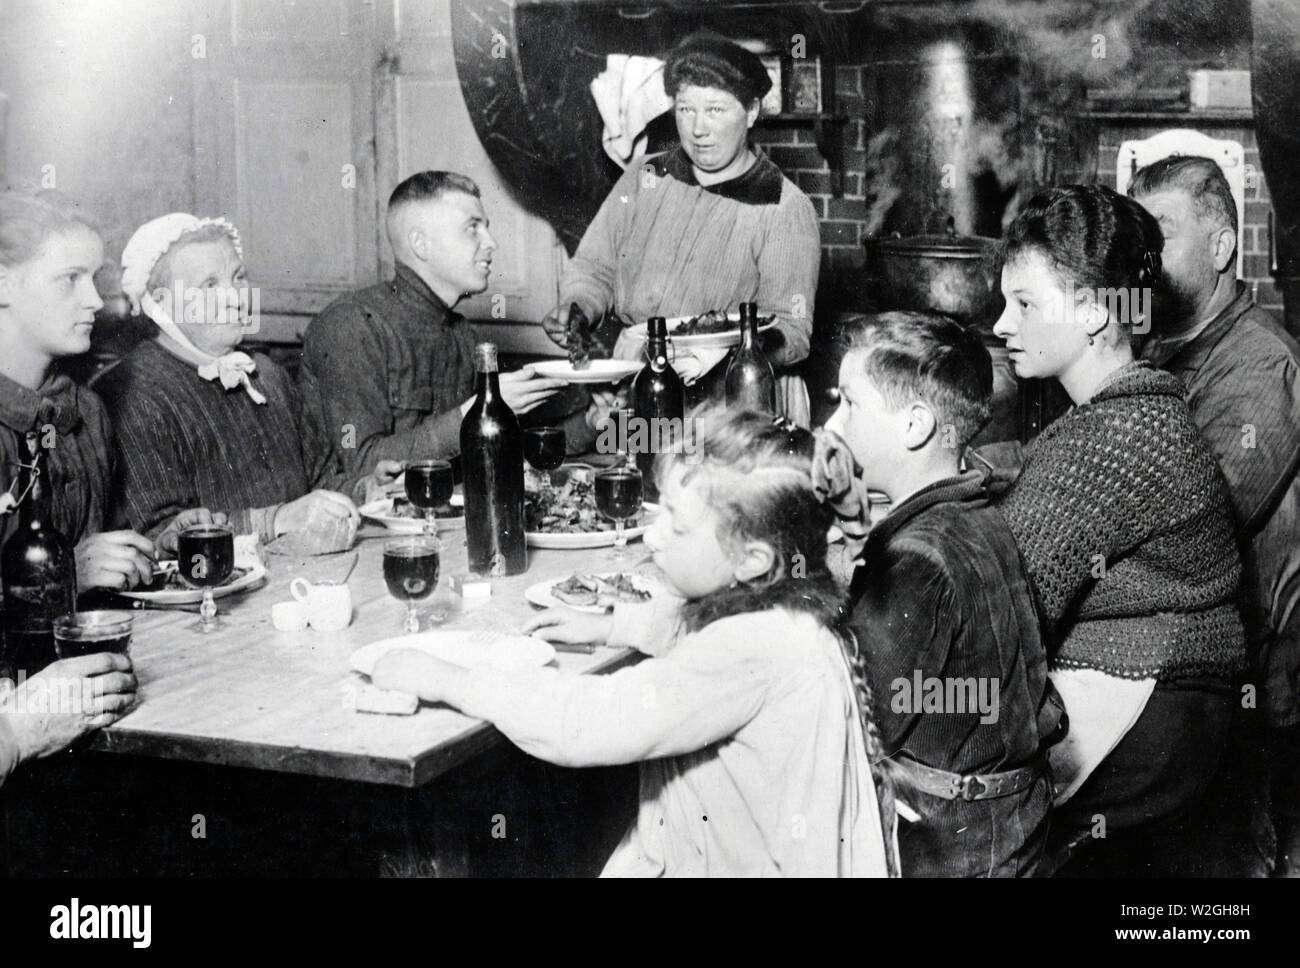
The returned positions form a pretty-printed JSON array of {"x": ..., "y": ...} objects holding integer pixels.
[{"x": 96, "y": 91}]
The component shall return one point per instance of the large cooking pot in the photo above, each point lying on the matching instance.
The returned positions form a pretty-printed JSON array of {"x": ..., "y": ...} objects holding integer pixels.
[{"x": 950, "y": 273}]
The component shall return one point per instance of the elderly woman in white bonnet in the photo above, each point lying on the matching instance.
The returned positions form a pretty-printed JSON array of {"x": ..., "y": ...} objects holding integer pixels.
[{"x": 199, "y": 422}]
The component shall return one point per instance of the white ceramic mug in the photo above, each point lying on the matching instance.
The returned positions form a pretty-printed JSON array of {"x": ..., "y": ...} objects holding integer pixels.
[{"x": 328, "y": 604}]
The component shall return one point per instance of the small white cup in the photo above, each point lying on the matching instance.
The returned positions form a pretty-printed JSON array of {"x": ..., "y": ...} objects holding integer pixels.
[
  {"x": 327, "y": 604},
  {"x": 288, "y": 616}
]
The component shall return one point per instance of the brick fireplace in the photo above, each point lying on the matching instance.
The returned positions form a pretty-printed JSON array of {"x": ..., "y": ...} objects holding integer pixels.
[{"x": 844, "y": 220}]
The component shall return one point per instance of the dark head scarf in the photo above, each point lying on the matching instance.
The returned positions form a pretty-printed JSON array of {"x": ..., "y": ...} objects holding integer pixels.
[{"x": 710, "y": 60}]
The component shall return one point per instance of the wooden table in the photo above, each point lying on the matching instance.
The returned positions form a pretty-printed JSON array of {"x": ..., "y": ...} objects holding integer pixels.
[{"x": 250, "y": 696}]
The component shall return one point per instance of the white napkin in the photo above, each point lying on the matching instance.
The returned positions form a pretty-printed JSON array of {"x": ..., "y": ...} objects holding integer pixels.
[{"x": 1102, "y": 709}]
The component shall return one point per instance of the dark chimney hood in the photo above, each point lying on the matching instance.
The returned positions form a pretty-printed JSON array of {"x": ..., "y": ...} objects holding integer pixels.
[{"x": 526, "y": 67}]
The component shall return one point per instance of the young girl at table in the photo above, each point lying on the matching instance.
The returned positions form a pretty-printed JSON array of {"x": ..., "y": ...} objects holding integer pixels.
[
  {"x": 751, "y": 728},
  {"x": 49, "y": 252}
]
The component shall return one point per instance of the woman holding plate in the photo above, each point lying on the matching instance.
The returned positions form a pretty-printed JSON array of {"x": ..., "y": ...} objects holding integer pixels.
[{"x": 709, "y": 224}]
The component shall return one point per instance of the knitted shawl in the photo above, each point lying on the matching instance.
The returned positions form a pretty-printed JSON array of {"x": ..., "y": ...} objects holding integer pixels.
[{"x": 1123, "y": 520}]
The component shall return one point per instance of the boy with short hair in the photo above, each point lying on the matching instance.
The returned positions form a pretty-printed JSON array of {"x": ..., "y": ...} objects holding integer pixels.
[{"x": 940, "y": 603}]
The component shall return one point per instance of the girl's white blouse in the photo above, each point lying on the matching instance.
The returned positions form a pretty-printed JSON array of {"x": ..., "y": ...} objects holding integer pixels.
[{"x": 752, "y": 757}]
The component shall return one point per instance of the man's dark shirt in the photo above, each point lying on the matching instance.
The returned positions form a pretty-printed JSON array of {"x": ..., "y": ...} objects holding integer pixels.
[
  {"x": 392, "y": 364},
  {"x": 1242, "y": 374}
]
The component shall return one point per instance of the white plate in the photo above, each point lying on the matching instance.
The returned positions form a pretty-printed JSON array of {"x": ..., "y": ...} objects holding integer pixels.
[
  {"x": 700, "y": 341},
  {"x": 592, "y": 539},
  {"x": 540, "y": 594},
  {"x": 596, "y": 371},
  {"x": 192, "y": 596},
  {"x": 381, "y": 511},
  {"x": 462, "y": 647}
]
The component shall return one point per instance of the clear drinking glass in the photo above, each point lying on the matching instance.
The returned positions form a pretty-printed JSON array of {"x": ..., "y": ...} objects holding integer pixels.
[
  {"x": 85, "y": 633},
  {"x": 411, "y": 567},
  {"x": 619, "y": 493},
  {"x": 429, "y": 486},
  {"x": 205, "y": 558},
  {"x": 544, "y": 450}
]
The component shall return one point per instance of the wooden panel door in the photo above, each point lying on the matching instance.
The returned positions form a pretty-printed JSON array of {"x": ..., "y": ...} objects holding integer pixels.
[
  {"x": 423, "y": 124},
  {"x": 284, "y": 146}
]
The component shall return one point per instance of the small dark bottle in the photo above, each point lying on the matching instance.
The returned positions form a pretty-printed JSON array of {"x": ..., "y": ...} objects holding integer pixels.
[
  {"x": 750, "y": 382},
  {"x": 38, "y": 568},
  {"x": 658, "y": 400},
  {"x": 492, "y": 456}
]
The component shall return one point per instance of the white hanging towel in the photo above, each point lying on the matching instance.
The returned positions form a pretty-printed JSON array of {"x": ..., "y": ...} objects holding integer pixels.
[{"x": 629, "y": 95}]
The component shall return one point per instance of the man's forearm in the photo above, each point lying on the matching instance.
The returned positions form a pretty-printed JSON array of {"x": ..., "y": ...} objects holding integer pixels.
[{"x": 436, "y": 437}]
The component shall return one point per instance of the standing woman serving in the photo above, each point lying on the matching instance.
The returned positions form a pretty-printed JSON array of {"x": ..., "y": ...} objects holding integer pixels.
[
  {"x": 1123, "y": 520},
  {"x": 709, "y": 224}
]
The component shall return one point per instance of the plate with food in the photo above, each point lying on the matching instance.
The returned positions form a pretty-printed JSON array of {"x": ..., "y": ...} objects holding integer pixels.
[
  {"x": 167, "y": 587},
  {"x": 400, "y": 516},
  {"x": 593, "y": 371},
  {"x": 711, "y": 330},
  {"x": 565, "y": 516},
  {"x": 586, "y": 592},
  {"x": 470, "y": 649}
]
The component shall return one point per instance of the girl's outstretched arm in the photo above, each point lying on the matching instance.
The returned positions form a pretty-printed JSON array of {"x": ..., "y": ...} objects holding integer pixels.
[{"x": 703, "y": 691}]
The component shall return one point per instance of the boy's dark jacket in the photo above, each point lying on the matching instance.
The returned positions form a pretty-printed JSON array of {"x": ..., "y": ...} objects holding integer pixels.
[{"x": 940, "y": 589}]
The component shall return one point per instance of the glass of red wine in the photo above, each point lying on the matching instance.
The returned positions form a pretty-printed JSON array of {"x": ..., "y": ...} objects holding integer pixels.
[
  {"x": 411, "y": 567},
  {"x": 205, "y": 558},
  {"x": 544, "y": 449},
  {"x": 618, "y": 496},
  {"x": 429, "y": 485}
]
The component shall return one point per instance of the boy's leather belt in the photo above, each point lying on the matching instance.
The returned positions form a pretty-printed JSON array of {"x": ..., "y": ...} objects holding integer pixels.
[{"x": 971, "y": 786}]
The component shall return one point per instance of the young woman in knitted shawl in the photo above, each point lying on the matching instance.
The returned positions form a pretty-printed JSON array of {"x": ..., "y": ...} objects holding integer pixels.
[{"x": 1123, "y": 520}]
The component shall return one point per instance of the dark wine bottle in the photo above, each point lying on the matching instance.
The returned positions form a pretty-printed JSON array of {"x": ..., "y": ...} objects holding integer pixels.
[
  {"x": 658, "y": 400},
  {"x": 492, "y": 455},
  {"x": 38, "y": 569},
  {"x": 750, "y": 382}
]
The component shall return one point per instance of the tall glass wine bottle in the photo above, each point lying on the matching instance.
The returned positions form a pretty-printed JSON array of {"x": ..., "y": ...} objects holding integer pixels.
[
  {"x": 658, "y": 399},
  {"x": 38, "y": 568},
  {"x": 492, "y": 455},
  {"x": 750, "y": 381}
]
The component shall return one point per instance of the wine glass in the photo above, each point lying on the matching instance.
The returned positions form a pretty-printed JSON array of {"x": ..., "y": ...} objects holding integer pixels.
[
  {"x": 618, "y": 496},
  {"x": 544, "y": 450},
  {"x": 205, "y": 558},
  {"x": 429, "y": 486},
  {"x": 411, "y": 566}
]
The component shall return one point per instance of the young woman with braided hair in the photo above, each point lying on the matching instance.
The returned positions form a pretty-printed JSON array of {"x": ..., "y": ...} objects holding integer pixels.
[
  {"x": 939, "y": 600},
  {"x": 756, "y": 750},
  {"x": 1123, "y": 520}
]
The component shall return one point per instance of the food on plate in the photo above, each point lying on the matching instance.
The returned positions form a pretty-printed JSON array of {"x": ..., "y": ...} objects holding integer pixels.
[
  {"x": 601, "y": 590},
  {"x": 567, "y": 509},
  {"x": 403, "y": 508},
  {"x": 576, "y": 590},
  {"x": 711, "y": 321},
  {"x": 581, "y": 340}
]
